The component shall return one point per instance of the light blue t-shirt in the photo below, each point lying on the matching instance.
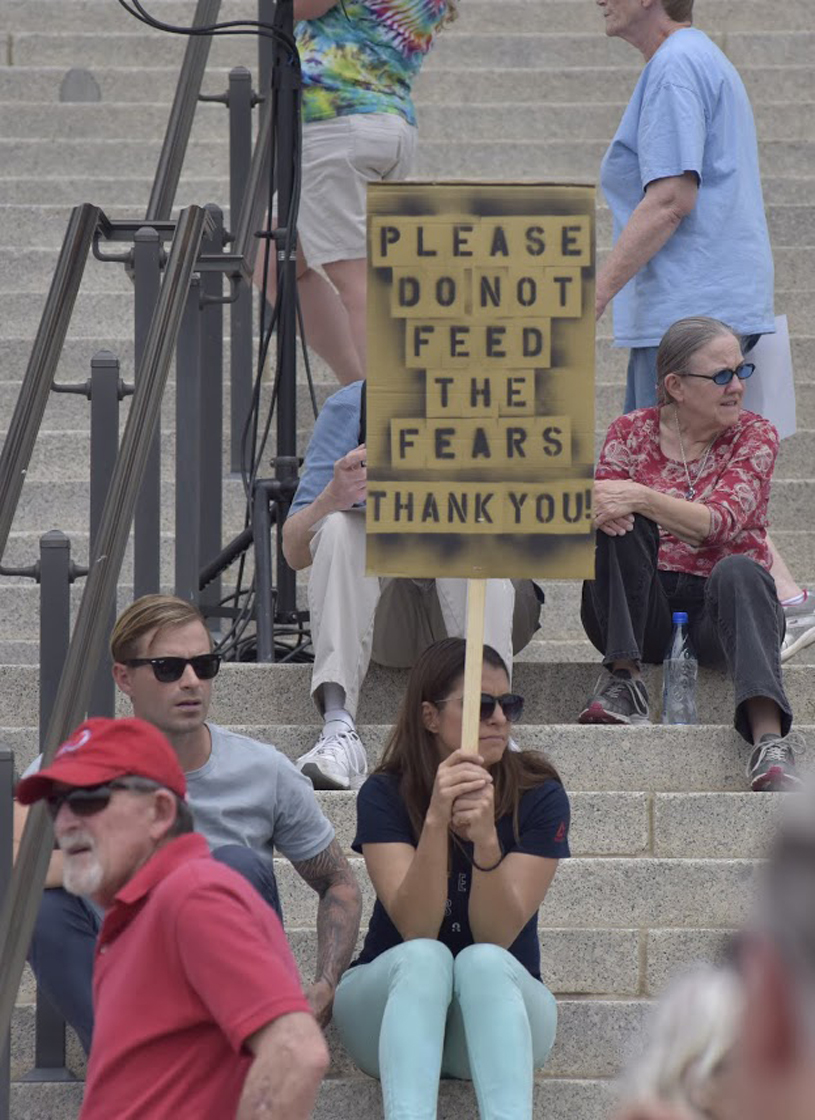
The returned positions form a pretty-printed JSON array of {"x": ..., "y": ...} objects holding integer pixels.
[
  {"x": 336, "y": 432},
  {"x": 690, "y": 112}
]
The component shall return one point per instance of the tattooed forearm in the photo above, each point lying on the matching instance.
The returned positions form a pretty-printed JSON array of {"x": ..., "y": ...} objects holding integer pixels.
[{"x": 338, "y": 912}]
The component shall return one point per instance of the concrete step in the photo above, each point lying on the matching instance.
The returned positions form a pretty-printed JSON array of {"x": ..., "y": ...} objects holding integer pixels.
[
  {"x": 264, "y": 694},
  {"x": 483, "y": 119},
  {"x": 359, "y": 1098},
  {"x": 464, "y": 50},
  {"x": 481, "y": 15},
  {"x": 150, "y": 83},
  {"x": 703, "y": 759}
]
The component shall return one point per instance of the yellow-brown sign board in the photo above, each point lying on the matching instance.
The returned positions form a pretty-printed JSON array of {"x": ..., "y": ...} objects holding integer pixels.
[{"x": 480, "y": 398}]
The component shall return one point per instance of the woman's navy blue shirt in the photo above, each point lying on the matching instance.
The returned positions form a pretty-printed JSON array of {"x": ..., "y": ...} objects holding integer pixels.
[{"x": 543, "y": 825}]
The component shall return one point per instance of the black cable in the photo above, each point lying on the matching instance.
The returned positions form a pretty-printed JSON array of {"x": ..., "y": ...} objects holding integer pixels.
[{"x": 227, "y": 27}]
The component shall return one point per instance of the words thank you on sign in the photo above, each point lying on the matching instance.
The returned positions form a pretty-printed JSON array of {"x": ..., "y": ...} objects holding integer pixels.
[{"x": 480, "y": 398}]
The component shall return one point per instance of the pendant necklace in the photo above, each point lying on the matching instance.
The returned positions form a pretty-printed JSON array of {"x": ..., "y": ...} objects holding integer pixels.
[{"x": 690, "y": 493}]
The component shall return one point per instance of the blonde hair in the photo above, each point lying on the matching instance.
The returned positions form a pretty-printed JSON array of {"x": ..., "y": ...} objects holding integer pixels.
[
  {"x": 692, "y": 1032},
  {"x": 150, "y": 612}
]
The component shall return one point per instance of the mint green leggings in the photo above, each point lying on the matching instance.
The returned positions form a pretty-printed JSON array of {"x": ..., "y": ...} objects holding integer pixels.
[{"x": 417, "y": 1013}]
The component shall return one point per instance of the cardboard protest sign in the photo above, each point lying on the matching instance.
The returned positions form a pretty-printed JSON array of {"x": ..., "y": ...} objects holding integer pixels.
[{"x": 480, "y": 398}]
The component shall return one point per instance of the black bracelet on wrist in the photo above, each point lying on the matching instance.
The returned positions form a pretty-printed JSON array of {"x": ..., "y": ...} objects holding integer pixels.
[{"x": 492, "y": 866}]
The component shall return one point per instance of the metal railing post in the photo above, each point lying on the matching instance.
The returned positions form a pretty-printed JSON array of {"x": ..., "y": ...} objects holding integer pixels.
[
  {"x": 241, "y": 98},
  {"x": 19, "y": 910},
  {"x": 266, "y": 13},
  {"x": 106, "y": 392},
  {"x": 147, "y": 535},
  {"x": 212, "y": 409},
  {"x": 188, "y": 485},
  {"x": 6, "y": 859},
  {"x": 264, "y": 601},
  {"x": 55, "y": 628}
]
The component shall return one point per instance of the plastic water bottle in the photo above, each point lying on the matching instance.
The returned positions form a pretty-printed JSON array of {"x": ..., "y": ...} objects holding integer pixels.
[{"x": 679, "y": 675}]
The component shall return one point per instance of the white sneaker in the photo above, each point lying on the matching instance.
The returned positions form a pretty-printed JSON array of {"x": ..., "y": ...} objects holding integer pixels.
[
  {"x": 336, "y": 761},
  {"x": 800, "y": 627}
]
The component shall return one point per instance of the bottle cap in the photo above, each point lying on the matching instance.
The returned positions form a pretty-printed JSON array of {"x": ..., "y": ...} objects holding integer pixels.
[{"x": 679, "y": 616}]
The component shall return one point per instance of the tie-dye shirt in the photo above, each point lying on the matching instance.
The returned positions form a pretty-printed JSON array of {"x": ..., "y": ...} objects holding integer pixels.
[{"x": 363, "y": 55}]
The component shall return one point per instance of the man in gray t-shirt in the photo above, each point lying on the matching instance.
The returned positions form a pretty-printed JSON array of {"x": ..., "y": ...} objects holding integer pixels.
[{"x": 247, "y": 798}]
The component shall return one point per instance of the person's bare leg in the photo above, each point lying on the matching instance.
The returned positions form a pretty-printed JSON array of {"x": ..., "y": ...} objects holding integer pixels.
[
  {"x": 325, "y": 319},
  {"x": 785, "y": 586},
  {"x": 350, "y": 278},
  {"x": 764, "y": 716}
]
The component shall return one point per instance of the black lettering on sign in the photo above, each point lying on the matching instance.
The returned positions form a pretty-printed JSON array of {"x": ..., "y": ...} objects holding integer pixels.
[
  {"x": 568, "y": 241},
  {"x": 572, "y": 515},
  {"x": 527, "y": 291},
  {"x": 405, "y": 442},
  {"x": 481, "y": 511},
  {"x": 499, "y": 246},
  {"x": 485, "y": 392},
  {"x": 490, "y": 291},
  {"x": 563, "y": 284},
  {"x": 481, "y": 445},
  {"x": 444, "y": 383},
  {"x": 517, "y": 504},
  {"x": 544, "y": 508},
  {"x": 421, "y": 251},
  {"x": 461, "y": 241},
  {"x": 516, "y": 438},
  {"x": 458, "y": 341},
  {"x": 442, "y": 443},
  {"x": 535, "y": 241},
  {"x": 445, "y": 291},
  {"x": 376, "y": 496},
  {"x": 403, "y": 507},
  {"x": 532, "y": 342},
  {"x": 456, "y": 508},
  {"x": 430, "y": 512},
  {"x": 419, "y": 339},
  {"x": 495, "y": 339},
  {"x": 409, "y": 291},
  {"x": 515, "y": 395},
  {"x": 388, "y": 235},
  {"x": 552, "y": 445}
]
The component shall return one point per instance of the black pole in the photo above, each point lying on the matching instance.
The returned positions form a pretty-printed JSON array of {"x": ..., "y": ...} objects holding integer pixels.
[
  {"x": 212, "y": 409},
  {"x": 147, "y": 535},
  {"x": 188, "y": 486},
  {"x": 241, "y": 98}
]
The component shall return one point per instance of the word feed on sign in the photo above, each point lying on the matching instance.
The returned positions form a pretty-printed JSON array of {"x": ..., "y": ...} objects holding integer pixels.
[{"x": 480, "y": 413}]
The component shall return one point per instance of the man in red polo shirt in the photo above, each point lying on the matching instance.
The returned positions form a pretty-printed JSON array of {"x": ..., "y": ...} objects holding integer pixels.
[{"x": 198, "y": 1006}]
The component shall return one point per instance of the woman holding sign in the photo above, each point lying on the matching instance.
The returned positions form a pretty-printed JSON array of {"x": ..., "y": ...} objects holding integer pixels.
[
  {"x": 680, "y": 500},
  {"x": 461, "y": 849}
]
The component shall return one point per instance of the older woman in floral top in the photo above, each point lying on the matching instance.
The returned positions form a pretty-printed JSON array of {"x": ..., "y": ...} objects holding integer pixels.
[{"x": 680, "y": 499}]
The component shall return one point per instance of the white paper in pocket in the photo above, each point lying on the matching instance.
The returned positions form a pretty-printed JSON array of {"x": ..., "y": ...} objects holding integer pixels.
[{"x": 771, "y": 390}]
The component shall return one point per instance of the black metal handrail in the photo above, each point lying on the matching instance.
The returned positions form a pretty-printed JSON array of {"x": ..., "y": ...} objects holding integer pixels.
[
  {"x": 182, "y": 114},
  {"x": 42, "y": 365},
  {"x": 21, "y": 904}
]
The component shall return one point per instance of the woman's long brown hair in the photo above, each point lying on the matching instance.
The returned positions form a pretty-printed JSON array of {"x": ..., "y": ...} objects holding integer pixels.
[{"x": 411, "y": 752}]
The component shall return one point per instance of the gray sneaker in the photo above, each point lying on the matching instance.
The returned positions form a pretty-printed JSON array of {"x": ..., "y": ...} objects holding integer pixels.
[
  {"x": 618, "y": 698},
  {"x": 800, "y": 627},
  {"x": 772, "y": 763}
]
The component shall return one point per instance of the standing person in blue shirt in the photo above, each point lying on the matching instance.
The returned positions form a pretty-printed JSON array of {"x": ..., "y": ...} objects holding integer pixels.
[
  {"x": 359, "y": 61},
  {"x": 682, "y": 180},
  {"x": 461, "y": 849},
  {"x": 355, "y": 617}
]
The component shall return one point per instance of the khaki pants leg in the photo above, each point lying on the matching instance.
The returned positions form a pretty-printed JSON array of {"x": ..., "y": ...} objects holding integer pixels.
[
  {"x": 498, "y": 613},
  {"x": 342, "y": 601}
]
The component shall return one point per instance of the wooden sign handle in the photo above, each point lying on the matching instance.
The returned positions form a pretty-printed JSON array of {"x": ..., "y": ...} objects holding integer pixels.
[{"x": 473, "y": 661}]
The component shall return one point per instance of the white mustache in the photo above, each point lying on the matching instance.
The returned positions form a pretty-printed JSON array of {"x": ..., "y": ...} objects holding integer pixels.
[{"x": 74, "y": 841}]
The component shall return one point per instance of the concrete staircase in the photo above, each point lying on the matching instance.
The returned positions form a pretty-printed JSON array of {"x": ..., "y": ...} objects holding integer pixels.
[{"x": 664, "y": 837}]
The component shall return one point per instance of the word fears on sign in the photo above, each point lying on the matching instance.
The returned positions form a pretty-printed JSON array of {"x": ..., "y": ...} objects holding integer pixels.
[
  {"x": 480, "y": 508},
  {"x": 481, "y": 380}
]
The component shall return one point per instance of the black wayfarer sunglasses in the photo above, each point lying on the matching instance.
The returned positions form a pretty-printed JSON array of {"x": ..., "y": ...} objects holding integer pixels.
[
  {"x": 725, "y": 376},
  {"x": 169, "y": 669},
  {"x": 87, "y": 801},
  {"x": 512, "y": 705}
]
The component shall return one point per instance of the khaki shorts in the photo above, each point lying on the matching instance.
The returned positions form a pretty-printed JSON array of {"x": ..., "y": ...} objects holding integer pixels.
[{"x": 340, "y": 157}]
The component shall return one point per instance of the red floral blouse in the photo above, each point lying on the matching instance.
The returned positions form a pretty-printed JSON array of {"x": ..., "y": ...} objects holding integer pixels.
[{"x": 735, "y": 485}]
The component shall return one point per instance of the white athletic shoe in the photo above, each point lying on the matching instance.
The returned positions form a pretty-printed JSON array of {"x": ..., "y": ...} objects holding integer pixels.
[
  {"x": 800, "y": 627},
  {"x": 336, "y": 761}
]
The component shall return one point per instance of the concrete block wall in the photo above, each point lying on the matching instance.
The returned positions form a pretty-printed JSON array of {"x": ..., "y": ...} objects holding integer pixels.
[{"x": 665, "y": 838}]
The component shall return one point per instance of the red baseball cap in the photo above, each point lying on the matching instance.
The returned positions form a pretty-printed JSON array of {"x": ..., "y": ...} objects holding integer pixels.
[{"x": 103, "y": 749}]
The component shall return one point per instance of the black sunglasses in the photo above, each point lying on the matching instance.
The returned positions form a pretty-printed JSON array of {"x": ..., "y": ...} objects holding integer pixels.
[
  {"x": 725, "y": 376},
  {"x": 168, "y": 669},
  {"x": 87, "y": 801},
  {"x": 512, "y": 705}
]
